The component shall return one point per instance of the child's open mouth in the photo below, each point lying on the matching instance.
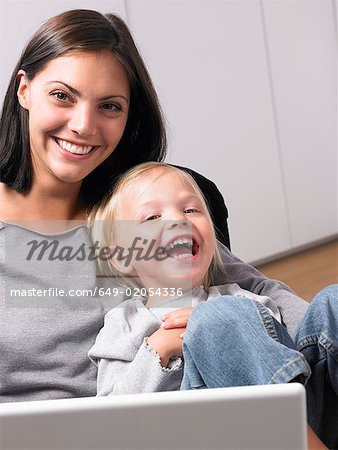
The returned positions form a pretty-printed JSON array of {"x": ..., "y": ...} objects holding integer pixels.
[{"x": 182, "y": 248}]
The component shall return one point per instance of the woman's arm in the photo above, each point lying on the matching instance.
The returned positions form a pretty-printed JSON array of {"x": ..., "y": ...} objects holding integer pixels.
[
  {"x": 247, "y": 277},
  {"x": 313, "y": 441}
]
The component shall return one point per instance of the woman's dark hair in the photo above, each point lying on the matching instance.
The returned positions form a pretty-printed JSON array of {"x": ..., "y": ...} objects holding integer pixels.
[{"x": 84, "y": 30}]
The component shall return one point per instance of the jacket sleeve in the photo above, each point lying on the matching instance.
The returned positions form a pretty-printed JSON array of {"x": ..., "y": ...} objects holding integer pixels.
[
  {"x": 291, "y": 306},
  {"x": 129, "y": 366}
]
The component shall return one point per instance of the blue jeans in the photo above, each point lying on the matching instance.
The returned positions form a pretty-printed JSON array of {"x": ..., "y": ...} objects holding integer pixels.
[{"x": 236, "y": 342}]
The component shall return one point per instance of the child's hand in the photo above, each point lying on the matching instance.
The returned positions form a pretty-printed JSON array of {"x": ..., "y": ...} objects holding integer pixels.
[
  {"x": 166, "y": 343},
  {"x": 176, "y": 319}
]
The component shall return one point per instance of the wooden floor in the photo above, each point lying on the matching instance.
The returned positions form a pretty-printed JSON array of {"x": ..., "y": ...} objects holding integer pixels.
[{"x": 306, "y": 272}]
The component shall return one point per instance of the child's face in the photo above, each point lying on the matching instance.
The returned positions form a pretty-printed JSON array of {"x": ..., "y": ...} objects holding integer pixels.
[{"x": 164, "y": 208}]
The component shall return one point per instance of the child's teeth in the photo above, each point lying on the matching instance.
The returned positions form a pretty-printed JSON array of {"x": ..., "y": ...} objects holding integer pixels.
[
  {"x": 180, "y": 242},
  {"x": 185, "y": 255}
]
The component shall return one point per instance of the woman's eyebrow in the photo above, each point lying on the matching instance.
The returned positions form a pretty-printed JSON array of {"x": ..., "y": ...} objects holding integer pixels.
[{"x": 76, "y": 92}]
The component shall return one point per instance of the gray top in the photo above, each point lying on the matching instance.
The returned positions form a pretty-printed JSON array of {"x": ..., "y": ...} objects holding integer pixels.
[
  {"x": 44, "y": 339},
  {"x": 126, "y": 364},
  {"x": 291, "y": 307}
]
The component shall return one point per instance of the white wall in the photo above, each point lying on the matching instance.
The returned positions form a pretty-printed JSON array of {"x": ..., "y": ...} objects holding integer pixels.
[
  {"x": 249, "y": 92},
  {"x": 209, "y": 63},
  {"x": 301, "y": 37}
]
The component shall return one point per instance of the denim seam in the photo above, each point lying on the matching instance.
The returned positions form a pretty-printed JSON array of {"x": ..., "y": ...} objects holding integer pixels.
[
  {"x": 291, "y": 370},
  {"x": 321, "y": 339},
  {"x": 267, "y": 320}
]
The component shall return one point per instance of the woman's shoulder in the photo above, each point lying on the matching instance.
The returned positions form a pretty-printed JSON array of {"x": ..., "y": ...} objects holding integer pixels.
[
  {"x": 45, "y": 228},
  {"x": 2, "y": 241},
  {"x": 32, "y": 253}
]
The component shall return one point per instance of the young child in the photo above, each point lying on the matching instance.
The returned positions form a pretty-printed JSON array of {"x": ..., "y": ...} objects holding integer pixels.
[
  {"x": 139, "y": 349},
  {"x": 232, "y": 338}
]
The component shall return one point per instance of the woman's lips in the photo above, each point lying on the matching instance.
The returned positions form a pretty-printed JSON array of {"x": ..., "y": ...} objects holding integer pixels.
[{"x": 71, "y": 152}]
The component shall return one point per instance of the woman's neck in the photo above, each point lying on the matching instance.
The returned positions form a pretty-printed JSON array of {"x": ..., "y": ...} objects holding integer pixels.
[{"x": 41, "y": 203}]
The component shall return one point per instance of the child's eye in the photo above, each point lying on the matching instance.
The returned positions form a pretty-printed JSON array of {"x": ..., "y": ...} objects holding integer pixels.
[
  {"x": 153, "y": 217},
  {"x": 60, "y": 96},
  {"x": 191, "y": 210}
]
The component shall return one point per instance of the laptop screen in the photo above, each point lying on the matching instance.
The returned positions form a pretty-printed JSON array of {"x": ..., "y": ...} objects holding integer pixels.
[{"x": 255, "y": 417}]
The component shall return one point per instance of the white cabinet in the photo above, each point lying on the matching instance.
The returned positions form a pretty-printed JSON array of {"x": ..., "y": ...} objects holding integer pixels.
[
  {"x": 248, "y": 90},
  {"x": 208, "y": 61},
  {"x": 302, "y": 46}
]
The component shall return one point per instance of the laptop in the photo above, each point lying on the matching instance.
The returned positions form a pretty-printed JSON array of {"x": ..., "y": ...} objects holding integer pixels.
[{"x": 254, "y": 417}]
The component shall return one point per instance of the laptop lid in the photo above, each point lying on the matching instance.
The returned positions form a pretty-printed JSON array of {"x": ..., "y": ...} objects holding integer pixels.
[{"x": 255, "y": 417}]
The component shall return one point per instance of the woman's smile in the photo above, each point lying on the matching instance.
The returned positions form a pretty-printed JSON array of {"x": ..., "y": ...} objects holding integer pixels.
[
  {"x": 76, "y": 152},
  {"x": 77, "y": 149}
]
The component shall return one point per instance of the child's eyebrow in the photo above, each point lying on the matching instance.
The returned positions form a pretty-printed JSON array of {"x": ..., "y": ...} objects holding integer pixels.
[
  {"x": 192, "y": 197},
  {"x": 154, "y": 202},
  {"x": 141, "y": 209}
]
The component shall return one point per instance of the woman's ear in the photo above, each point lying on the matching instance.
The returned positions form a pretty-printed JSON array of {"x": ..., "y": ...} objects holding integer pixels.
[
  {"x": 121, "y": 262},
  {"x": 23, "y": 89}
]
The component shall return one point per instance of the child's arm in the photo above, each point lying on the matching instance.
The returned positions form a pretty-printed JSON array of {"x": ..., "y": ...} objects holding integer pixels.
[
  {"x": 126, "y": 363},
  {"x": 167, "y": 343},
  {"x": 168, "y": 340},
  {"x": 247, "y": 277}
]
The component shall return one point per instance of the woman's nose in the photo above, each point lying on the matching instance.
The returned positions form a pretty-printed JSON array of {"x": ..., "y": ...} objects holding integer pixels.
[{"x": 82, "y": 121}]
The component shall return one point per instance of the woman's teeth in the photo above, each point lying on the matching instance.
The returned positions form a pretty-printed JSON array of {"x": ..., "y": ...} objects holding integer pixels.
[{"x": 77, "y": 149}]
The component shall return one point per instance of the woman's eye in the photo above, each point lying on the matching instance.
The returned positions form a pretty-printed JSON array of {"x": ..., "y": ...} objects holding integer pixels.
[
  {"x": 60, "y": 96},
  {"x": 111, "y": 107}
]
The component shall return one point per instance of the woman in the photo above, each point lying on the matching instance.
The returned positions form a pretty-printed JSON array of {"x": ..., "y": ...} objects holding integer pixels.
[{"x": 80, "y": 109}]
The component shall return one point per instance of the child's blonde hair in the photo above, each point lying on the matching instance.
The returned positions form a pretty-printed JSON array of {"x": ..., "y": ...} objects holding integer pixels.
[{"x": 102, "y": 217}]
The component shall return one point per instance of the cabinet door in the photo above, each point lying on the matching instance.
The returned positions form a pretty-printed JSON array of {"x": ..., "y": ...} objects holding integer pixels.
[
  {"x": 301, "y": 39},
  {"x": 208, "y": 61}
]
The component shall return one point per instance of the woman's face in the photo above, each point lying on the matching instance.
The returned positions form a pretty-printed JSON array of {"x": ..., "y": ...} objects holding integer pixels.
[{"x": 78, "y": 108}]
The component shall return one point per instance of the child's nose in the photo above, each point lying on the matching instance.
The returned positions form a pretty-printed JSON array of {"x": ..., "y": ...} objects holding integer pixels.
[{"x": 179, "y": 221}]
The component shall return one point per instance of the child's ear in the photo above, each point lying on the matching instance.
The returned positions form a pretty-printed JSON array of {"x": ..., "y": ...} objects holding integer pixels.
[
  {"x": 121, "y": 262},
  {"x": 23, "y": 89}
]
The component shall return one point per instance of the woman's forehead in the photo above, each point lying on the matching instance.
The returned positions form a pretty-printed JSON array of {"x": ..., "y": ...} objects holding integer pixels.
[{"x": 79, "y": 69}]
